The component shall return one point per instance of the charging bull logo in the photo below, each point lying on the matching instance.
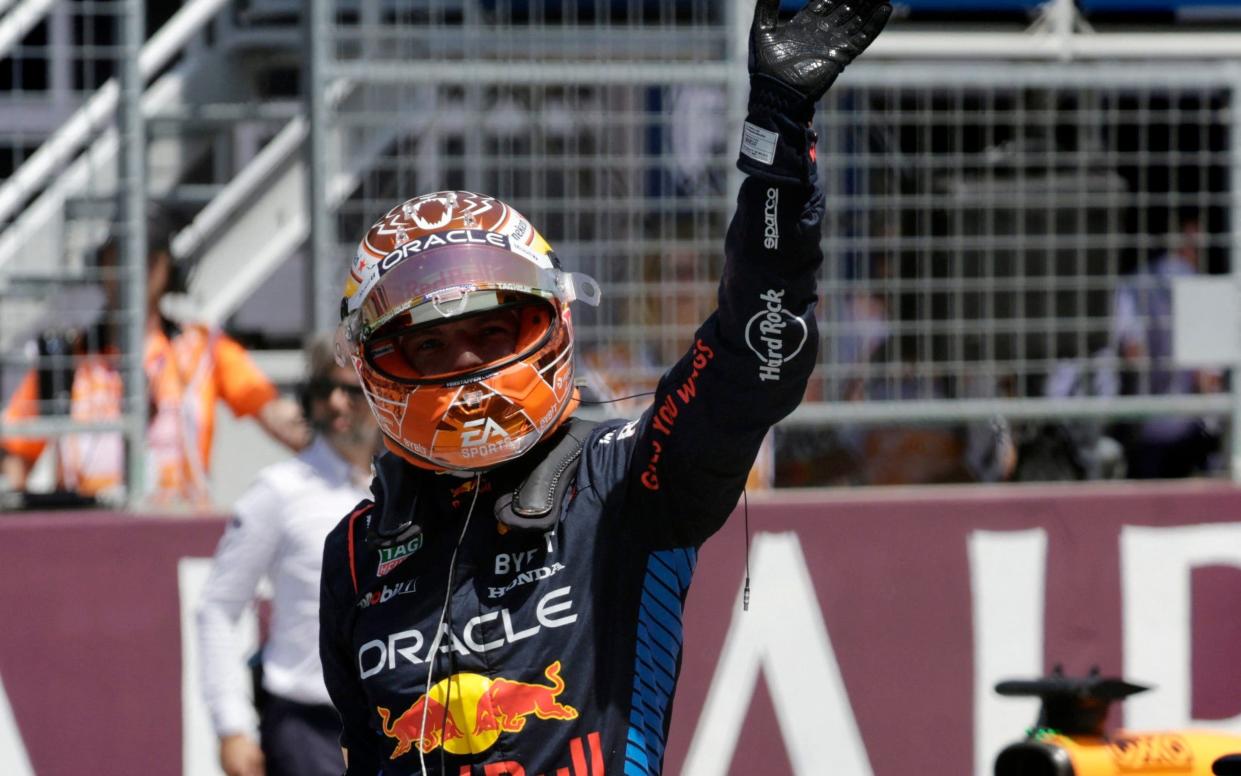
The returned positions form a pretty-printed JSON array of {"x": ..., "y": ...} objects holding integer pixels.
[
  {"x": 494, "y": 706},
  {"x": 506, "y": 704},
  {"x": 407, "y": 729}
]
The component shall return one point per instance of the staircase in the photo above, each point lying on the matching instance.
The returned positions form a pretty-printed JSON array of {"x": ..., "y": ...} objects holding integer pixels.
[{"x": 224, "y": 141}]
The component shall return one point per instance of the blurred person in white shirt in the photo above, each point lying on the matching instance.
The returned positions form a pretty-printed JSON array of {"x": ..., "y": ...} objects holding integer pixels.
[
  {"x": 277, "y": 532},
  {"x": 1142, "y": 318}
]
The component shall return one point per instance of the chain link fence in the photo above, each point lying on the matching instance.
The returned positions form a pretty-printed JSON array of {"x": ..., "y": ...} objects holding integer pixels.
[
  {"x": 603, "y": 122},
  {"x": 984, "y": 223},
  {"x": 995, "y": 234},
  {"x": 994, "y": 231},
  {"x": 72, "y": 305}
]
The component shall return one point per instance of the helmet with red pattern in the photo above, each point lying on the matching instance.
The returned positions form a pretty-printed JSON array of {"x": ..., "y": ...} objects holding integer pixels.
[{"x": 453, "y": 256}]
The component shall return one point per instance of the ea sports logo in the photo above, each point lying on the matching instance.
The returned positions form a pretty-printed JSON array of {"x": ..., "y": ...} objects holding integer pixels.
[{"x": 481, "y": 431}]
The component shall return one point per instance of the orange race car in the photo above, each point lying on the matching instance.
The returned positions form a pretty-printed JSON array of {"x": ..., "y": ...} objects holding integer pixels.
[{"x": 1069, "y": 739}]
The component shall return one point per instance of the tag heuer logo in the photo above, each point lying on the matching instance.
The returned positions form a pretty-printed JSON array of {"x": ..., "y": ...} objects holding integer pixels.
[{"x": 391, "y": 557}]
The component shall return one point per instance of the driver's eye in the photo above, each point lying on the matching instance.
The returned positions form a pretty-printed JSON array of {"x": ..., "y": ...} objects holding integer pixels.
[{"x": 424, "y": 345}]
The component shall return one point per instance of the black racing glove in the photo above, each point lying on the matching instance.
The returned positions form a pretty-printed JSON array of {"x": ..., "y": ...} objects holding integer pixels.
[{"x": 791, "y": 66}]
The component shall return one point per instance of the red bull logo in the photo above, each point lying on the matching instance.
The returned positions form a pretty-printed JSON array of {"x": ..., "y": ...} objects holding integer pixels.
[
  {"x": 506, "y": 704},
  {"x": 408, "y": 729},
  {"x": 494, "y": 706}
]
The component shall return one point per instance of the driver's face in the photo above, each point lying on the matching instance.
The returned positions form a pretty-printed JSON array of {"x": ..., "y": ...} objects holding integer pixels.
[{"x": 454, "y": 346}]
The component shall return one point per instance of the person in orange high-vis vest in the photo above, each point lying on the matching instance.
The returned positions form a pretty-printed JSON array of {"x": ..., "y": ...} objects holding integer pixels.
[
  {"x": 88, "y": 463},
  {"x": 187, "y": 369}
]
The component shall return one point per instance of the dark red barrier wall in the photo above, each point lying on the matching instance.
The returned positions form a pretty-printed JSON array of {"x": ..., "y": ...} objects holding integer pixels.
[
  {"x": 90, "y": 646},
  {"x": 90, "y": 650},
  {"x": 892, "y": 577}
]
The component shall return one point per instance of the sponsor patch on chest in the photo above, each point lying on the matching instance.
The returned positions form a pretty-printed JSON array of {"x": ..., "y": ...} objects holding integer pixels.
[{"x": 391, "y": 557}]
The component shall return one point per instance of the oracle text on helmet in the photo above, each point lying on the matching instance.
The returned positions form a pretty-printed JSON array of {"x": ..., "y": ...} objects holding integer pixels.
[{"x": 451, "y": 237}]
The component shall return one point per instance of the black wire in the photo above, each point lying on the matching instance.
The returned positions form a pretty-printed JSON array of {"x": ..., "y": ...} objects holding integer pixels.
[
  {"x": 745, "y": 593},
  {"x": 446, "y": 622},
  {"x": 452, "y": 671},
  {"x": 452, "y": 653},
  {"x": 619, "y": 398}
]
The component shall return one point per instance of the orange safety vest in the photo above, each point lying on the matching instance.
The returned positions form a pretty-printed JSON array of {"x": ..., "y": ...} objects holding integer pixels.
[{"x": 185, "y": 376}]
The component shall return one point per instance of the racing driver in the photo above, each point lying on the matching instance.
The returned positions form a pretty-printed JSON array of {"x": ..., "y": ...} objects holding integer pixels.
[{"x": 509, "y": 601}]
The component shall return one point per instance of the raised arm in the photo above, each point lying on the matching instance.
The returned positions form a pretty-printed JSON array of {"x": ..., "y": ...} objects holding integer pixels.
[{"x": 749, "y": 363}]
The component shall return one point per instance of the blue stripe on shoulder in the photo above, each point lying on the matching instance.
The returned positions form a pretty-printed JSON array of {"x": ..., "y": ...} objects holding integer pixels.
[{"x": 658, "y": 651}]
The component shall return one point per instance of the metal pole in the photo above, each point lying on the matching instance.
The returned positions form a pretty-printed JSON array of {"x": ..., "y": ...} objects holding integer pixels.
[
  {"x": 320, "y": 294},
  {"x": 131, "y": 193},
  {"x": 1234, "y": 261}
]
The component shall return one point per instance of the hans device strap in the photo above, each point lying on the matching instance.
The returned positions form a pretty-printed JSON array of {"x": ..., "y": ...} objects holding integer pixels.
[
  {"x": 392, "y": 485},
  {"x": 535, "y": 504}
]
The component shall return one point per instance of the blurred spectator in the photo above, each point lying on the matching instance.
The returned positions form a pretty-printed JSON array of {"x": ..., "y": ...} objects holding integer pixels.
[
  {"x": 875, "y": 363},
  {"x": 1055, "y": 450},
  {"x": 863, "y": 327},
  {"x": 899, "y": 454},
  {"x": 696, "y": 140},
  {"x": 1142, "y": 336},
  {"x": 277, "y": 532},
  {"x": 188, "y": 367},
  {"x": 981, "y": 451}
]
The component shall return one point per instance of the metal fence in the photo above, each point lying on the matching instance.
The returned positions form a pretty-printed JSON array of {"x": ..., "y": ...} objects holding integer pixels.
[
  {"x": 987, "y": 222},
  {"x": 990, "y": 217},
  {"x": 72, "y": 318},
  {"x": 603, "y": 122},
  {"x": 982, "y": 215}
]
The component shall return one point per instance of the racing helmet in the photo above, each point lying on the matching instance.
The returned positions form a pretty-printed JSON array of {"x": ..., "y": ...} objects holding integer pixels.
[{"x": 446, "y": 257}]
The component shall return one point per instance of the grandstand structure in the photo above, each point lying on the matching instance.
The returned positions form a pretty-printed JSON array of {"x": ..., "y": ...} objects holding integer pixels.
[{"x": 994, "y": 169}]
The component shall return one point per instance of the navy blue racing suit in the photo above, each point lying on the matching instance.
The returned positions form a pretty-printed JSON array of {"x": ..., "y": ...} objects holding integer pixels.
[{"x": 561, "y": 649}]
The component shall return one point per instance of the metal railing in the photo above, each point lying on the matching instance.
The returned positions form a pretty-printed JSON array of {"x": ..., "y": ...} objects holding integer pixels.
[
  {"x": 990, "y": 194},
  {"x": 60, "y": 295},
  {"x": 50, "y": 159}
]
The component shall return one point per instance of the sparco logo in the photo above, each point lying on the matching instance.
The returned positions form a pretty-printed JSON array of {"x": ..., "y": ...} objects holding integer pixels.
[
  {"x": 766, "y": 336},
  {"x": 771, "y": 231}
]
